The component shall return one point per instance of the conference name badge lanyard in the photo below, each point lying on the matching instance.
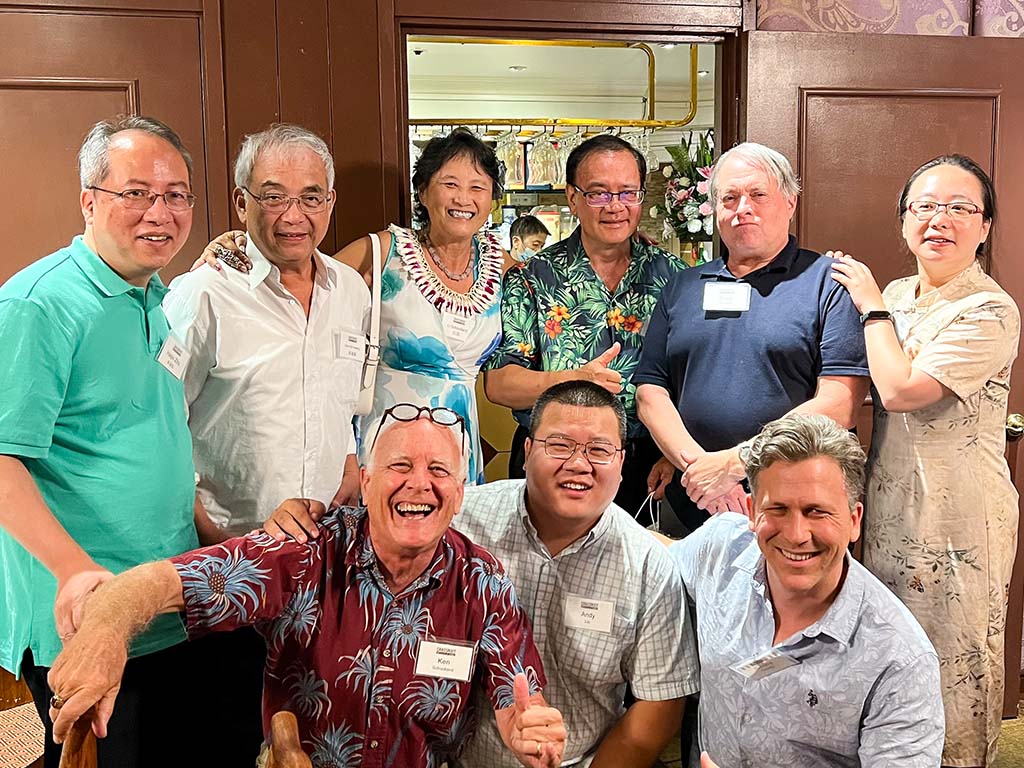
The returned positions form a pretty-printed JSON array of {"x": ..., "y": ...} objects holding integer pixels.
[
  {"x": 446, "y": 659},
  {"x": 767, "y": 663},
  {"x": 585, "y": 613},
  {"x": 349, "y": 346},
  {"x": 174, "y": 357},
  {"x": 726, "y": 297},
  {"x": 457, "y": 327}
]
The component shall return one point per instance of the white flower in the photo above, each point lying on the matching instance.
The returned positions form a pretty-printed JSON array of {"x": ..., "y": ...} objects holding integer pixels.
[
  {"x": 667, "y": 171},
  {"x": 691, "y": 211},
  {"x": 666, "y": 231},
  {"x": 684, "y": 182},
  {"x": 693, "y": 225},
  {"x": 654, "y": 212},
  {"x": 709, "y": 225}
]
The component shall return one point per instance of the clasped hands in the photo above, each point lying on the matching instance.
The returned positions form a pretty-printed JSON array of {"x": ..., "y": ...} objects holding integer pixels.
[{"x": 713, "y": 480}]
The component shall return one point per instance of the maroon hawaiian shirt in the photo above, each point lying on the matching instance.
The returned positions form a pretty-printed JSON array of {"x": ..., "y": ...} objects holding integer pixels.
[{"x": 341, "y": 649}]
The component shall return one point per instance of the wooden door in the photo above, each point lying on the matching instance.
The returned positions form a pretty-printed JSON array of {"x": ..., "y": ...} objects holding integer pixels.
[
  {"x": 857, "y": 114},
  {"x": 63, "y": 69}
]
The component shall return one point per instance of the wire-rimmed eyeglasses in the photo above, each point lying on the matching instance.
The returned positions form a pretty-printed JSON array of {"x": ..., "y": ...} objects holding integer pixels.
[
  {"x": 275, "y": 202},
  {"x": 926, "y": 209},
  {"x": 564, "y": 448},
  {"x": 601, "y": 198},
  {"x": 444, "y": 417},
  {"x": 144, "y": 199}
]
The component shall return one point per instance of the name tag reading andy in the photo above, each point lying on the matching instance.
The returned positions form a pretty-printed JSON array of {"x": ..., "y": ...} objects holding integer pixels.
[
  {"x": 349, "y": 346},
  {"x": 726, "y": 297},
  {"x": 448, "y": 659},
  {"x": 585, "y": 613},
  {"x": 768, "y": 663},
  {"x": 174, "y": 357},
  {"x": 456, "y": 327}
]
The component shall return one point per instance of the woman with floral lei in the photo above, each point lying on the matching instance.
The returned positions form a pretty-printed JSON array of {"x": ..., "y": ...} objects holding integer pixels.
[{"x": 441, "y": 287}]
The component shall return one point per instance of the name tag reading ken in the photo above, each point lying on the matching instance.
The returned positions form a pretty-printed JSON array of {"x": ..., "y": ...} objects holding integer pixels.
[
  {"x": 726, "y": 297},
  {"x": 448, "y": 659},
  {"x": 174, "y": 357},
  {"x": 768, "y": 663},
  {"x": 349, "y": 346},
  {"x": 585, "y": 613}
]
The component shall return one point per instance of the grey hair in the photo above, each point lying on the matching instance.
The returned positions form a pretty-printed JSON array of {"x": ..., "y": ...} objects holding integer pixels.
[
  {"x": 771, "y": 161},
  {"x": 802, "y": 436},
  {"x": 93, "y": 159},
  {"x": 280, "y": 136},
  {"x": 463, "y": 468}
]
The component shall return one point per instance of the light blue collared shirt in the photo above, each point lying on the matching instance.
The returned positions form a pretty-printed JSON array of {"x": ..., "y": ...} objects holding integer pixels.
[{"x": 865, "y": 690}]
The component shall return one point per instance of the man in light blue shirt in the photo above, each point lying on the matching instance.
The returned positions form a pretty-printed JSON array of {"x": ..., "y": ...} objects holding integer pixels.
[{"x": 806, "y": 658}]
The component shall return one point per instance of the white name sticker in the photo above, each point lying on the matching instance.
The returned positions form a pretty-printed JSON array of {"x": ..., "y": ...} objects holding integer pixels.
[
  {"x": 585, "y": 613},
  {"x": 767, "y": 663},
  {"x": 456, "y": 327},
  {"x": 448, "y": 659},
  {"x": 174, "y": 357},
  {"x": 349, "y": 346},
  {"x": 726, "y": 297}
]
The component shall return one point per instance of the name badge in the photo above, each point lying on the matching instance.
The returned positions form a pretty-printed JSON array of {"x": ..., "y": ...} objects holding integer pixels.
[
  {"x": 456, "y": 327},
  {"x": 174, "y": 357},
  {"x": 349, "y": 346},
  {"x": 447, "y": 659},
  {"x": 585, "y": 613},
  {"x": 726, "y": 297},
  {"x": 767, "y": 663}
]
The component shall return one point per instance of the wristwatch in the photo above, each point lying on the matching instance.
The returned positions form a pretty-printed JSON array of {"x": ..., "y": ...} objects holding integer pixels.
[{"x": 876, "y": 314}]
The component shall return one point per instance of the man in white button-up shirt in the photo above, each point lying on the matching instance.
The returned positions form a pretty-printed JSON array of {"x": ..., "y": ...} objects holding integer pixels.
[{"x": 275, "y": 357}]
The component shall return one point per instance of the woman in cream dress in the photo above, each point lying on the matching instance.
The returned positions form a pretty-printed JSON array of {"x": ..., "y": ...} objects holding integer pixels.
[{"x": 941, "y": 512}]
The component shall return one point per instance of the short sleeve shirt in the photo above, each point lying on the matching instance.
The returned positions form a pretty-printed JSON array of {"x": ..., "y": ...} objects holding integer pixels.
[
  {"x": 100, "y": 425},
  {"x": 730, "y": 373},
  {"x": 557, "y": 314},
  {"x": 342, "y": 649}
]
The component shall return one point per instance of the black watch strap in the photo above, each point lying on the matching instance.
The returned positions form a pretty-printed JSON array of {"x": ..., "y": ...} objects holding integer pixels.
[{"x": 876, "y": 314}]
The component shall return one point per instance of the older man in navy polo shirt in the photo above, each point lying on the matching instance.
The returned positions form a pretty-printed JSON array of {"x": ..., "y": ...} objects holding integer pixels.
[{"x": 745, "y": 339}]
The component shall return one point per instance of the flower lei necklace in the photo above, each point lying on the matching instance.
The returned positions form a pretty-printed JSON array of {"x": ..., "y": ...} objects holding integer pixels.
[{"x": 482, "y": 294}]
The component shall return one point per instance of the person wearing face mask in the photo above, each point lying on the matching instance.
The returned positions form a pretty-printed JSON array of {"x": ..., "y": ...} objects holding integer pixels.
[
  {"x": 941, "y": 509},
  {"x": 441, "y": 287},
  {"x": 528, "y": 235}
]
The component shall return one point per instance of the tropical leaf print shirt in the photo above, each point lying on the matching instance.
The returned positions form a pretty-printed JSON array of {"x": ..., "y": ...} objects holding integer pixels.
[
  {"x": 557, "y": 314},
  {"x": 342, "y": 649}
]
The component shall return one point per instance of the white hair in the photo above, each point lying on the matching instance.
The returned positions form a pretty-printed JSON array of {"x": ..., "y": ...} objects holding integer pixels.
[
  {"x": 462, "y": 469},
  {"x": 280, "y": 136},
  {"x": 769, "y": 160}
]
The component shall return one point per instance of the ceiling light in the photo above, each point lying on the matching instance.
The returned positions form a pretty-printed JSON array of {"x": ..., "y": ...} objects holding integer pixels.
[
  {"x": 517, "y": 68},
  {"x": 702, "y": 73},
  {"x": 668, "y": 46}
]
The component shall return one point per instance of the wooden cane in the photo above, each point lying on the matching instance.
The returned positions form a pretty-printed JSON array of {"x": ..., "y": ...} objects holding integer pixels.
[
  {"x": 285, "y": 747},
  {"x": 80, "y": 745}
]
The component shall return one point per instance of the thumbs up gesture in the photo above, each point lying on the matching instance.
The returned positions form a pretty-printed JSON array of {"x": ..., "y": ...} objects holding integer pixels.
[
  {"x": 597, "y": 370},
  {"x": 531, "y": 729}
]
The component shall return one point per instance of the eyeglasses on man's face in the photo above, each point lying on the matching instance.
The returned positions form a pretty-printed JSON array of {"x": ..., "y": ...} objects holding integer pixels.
[
  {"x": 144, "y": 199},
  {"x": 276, "y": 202},
  {"x": 601, "y": 198},
  {"x": 444, "y": 417},
  {"x": 926, "y": 209},
  {"x": 564, "y": 448}
]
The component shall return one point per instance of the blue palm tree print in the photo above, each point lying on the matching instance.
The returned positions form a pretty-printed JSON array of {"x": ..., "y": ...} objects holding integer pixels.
[
  {"x": 369, "y": 595},
  {"x": 405, "y": 624},
  {"x": 433, "y": 700},
  {"x": 492, "y": 639},
  {"x": 338, "y": 747},
  {"x": 298, "y": 618},
  {"x": 308, "y": 693},
  {"x": 230, "y": 586},
  {"x": 361, "y": 677},
  {"x": 491, "y": 581},
  {"x": 504, "y": 679}
]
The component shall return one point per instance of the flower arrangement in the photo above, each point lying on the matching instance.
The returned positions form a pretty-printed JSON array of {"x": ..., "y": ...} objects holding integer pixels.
[{"x": 688, "y": 211}]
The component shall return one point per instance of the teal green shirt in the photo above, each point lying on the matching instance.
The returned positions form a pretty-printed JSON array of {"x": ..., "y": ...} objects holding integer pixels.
[{"x": 101, "y": 427}]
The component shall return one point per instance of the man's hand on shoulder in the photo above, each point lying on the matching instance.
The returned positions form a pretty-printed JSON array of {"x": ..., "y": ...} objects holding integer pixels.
[{"x": 297, "y": 519}]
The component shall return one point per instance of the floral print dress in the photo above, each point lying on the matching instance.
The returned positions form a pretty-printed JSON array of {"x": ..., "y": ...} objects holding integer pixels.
[
  {"x": 434, "y": 340},
  {"x": 941, "y": 512}
]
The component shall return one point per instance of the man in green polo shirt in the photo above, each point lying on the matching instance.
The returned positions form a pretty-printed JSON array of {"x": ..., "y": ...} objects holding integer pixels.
[{"x": 95, "y": 454}]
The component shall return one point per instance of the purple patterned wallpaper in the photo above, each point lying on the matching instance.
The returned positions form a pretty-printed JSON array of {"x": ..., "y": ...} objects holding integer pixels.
[{"x": 992, "y": 18}]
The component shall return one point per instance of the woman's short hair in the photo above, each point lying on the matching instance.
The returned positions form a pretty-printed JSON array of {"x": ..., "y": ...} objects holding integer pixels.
[
  {"x": 280, "y": 136},
  {"x": 93, "y": 162},
  {"x": 603, "y": 143},
  {"x": 580, "y": 393},
  {"x": 988, "y": 192},
  {"x": 769, "y": 160},
  {"x": 802, "y": 436},
  {"x": 439, "y": 150}
]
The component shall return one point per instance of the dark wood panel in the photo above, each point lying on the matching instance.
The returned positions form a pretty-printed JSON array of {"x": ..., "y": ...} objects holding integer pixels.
[
  {"x": 13, "y": 692},
  {"x": 979, "y": 76},
  {"x": 103, "y": 6}
]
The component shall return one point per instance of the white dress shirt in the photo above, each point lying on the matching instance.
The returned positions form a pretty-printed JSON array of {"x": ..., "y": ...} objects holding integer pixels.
[{"x": 270, "y": 392}]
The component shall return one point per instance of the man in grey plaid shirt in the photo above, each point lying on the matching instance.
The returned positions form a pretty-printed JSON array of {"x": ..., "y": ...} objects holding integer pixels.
[{"x": 607, "y": 604}]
